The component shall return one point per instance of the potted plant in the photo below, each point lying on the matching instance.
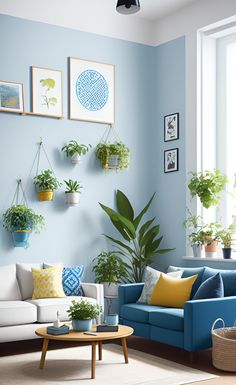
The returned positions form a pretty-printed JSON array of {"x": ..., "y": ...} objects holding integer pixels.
[
  {"x": 113, "y": 156},
  {"x": 74, "y": 150},
  {"x": 21, "y": 221},
  {"x": 210, "y": 235},
  {"x": 46, "y": 184},
  {"x": 72, "y": 192},
  {"x": 225, "y": 236},
  {"x": 207, "y": 186},
  {"x": 82, "y": 313},
  {"x": 195, "y": 226}
]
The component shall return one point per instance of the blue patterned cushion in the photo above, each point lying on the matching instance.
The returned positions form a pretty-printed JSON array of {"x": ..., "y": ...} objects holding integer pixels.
[{"x": 71, "y": 280}]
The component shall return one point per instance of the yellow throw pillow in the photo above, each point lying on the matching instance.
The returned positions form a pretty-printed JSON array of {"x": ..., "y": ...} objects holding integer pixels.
[
  {"x": 172, "y": 292},
  {"x": 48, "y": 282}
]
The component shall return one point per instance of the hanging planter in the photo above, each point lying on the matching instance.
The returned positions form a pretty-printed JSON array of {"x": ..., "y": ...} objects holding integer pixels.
[
  {"x": 46, "y": 184},
  {"x": 72, "y": 192},
  {"x": 113, "y": 156},
  {"x": 74, "y": 151}
]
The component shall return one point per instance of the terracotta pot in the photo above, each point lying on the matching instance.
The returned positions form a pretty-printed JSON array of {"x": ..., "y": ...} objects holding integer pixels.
[
  {"x": 45, "y": 195},
  {"x": 211, "y": 249}
]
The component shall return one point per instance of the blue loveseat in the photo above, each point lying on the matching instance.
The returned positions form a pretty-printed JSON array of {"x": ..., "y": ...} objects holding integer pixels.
[{"x": 188, "y": 328}]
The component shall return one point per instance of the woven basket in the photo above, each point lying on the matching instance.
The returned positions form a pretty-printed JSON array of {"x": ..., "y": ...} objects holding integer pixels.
[{"x": 224, "y": 347}]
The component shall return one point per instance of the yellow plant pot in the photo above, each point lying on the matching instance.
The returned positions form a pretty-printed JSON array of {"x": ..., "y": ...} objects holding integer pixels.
[{"x": 45, "y": 195}]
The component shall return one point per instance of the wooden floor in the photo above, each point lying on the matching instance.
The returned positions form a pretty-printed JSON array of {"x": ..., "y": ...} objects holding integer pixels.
[{"x": 202, "y": 360}]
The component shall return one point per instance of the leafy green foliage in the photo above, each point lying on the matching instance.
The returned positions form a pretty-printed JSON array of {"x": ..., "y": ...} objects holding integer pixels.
[
  {"x": 225, "y": 236},
  {"x": 207, "y": 186},
  {"x": 73, "y": 186},
  {"x": 195, "y": 226},
  {"x": 46, "y": 181},
  {"x": 141, "y": 242},
  {"x": 211, "y": 232},
  {"x": 105, "y": 150},
  {"x": 110, "y": 268},
  {"x": 20, "y": 217},
  {"x": 74, "y": 147},
  {"x": 48, "y": 83},
  {"x": 83, "y": 310}
]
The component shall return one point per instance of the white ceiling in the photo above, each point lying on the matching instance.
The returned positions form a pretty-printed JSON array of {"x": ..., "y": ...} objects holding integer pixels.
[{"x": 156, "y": 9}]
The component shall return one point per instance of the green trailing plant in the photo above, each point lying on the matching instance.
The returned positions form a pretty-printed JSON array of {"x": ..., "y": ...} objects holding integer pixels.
[
  {"x": 20, "y": 217},
  {"x": 105, "y": 150},
  {"x": 73, "y": 147},
  {"x": 110, "y": 268},
  {"x": 83, "y": 310},
  {"x": 140, "y": 243},
  {"x": 207, "y": 186},
  {"x": 195, "y": 226},
  {"x": 46, "y": 181},
  {"x": 73, "y": 186},
  {"x": 225, "y": 236}
]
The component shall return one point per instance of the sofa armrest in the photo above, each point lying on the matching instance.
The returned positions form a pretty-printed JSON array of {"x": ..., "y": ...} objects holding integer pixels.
[
  {"x": 129, "y": 293},
  {"x": 199, "y": 316},
  {"x": 94, "y": 290}
]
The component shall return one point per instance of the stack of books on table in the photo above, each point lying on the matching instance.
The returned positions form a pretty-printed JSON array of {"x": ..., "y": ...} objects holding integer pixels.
[
  {"x": 64, "y": 329},
  {"x": 107, "y": 328}
]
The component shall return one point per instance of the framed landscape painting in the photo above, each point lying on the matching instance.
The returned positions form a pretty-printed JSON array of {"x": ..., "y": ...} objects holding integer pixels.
[
  {"x": 91, "y": 91},
  {"x": 11, "y": 97},
  {"x": 46, "y": 91}
]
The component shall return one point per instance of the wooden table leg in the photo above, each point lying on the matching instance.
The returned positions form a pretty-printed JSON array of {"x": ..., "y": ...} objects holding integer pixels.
[
  {"x": 44, "y": 351},
  {"x": 125, "y": 350},
  {"x": 100, "y": 350},
  {"x": 93, "y": 363}
]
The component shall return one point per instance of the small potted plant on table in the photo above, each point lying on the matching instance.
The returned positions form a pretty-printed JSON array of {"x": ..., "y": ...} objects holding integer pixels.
[
  {"x": 74, "y": 150},
  {"x": 225, "y": 236},
  {"x": 82, "y": 314},
  {"x": 21, "y": 222},
  {"x": 196, "y": 237},
  {"x": 72, "y": 192},
  {"x": 46, "y": 184},
  {"x": 113, "y": 156}
]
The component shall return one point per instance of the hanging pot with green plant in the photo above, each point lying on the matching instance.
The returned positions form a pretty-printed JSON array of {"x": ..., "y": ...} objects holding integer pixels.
[
  {"x": 21, "y": 222},
  {"x": 74, "y": 151},
  {"x": 72, "y": 192},
  {"x": 46, "y": 184},
  {"x": 113, "y": 156}
]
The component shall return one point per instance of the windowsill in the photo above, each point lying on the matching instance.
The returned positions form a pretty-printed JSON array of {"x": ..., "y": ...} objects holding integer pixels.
[{"x": 189, "y": 258}]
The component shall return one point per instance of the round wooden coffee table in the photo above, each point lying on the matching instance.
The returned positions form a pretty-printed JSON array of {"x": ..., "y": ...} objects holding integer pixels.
[{"x": 123, "y": 332}]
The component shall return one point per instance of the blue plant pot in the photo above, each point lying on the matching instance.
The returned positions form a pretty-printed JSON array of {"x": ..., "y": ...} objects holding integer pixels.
[
  {"x": 21, "y": 238},
  {"x": 82, "y": 325},
  {"x": 111, "y": 319}
]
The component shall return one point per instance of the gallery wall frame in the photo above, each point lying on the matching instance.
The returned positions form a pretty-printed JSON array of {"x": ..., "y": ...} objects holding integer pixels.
[
  {"x": 171, "y": 160},
  {"x": 171, "y": 127},
  {"x": 11, "y": 97},
  {"x": 91, "y": 91}
]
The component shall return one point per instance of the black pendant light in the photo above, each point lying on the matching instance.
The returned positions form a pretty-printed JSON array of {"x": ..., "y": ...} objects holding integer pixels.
[{"x": 127, "y": 7}]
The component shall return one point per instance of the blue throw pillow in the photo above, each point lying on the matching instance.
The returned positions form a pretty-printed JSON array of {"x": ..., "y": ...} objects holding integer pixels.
[
  {"x": 228, "y": 276},
  {"x": 213, "y": 287},
  {"x": 188, "y": 272},
  {"x": 71, "y": 280}
]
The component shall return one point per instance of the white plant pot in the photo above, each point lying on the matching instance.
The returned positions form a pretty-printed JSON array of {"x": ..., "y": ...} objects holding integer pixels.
[
  {"x": 76, "y": 158},
  {"x": 72, "y": 199},
  {"x": 110, "y": 289},
  {"x": 198, "y": 251},
  {"x": 113, "y": 161}
]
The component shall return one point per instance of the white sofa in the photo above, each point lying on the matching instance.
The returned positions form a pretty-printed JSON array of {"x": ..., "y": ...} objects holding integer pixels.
[{"x": 20, "y": 316}]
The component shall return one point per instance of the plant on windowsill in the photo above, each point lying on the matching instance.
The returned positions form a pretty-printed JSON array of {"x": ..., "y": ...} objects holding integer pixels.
[
  {"x": 207, "y": 186},
  {"x": 82, "y": 313},
  {"x": 211, "y": 235},
  {"x": 141, "y": 244},
  {"x": 225, "y": 236},
  {"x": 46, "y": 184},
  {"x": 21, "y": 222},
  {"x": 113, "y": 156},
  {"x": 74, "y": 151},
  {"x": 72, "y": 192},
  {"x": 195, "y": 227}
]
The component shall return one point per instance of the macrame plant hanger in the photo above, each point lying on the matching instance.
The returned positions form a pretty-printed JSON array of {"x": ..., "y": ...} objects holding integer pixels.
[
  {"x": 107, "y": 133},
  {"x": 19, "y": 188}
]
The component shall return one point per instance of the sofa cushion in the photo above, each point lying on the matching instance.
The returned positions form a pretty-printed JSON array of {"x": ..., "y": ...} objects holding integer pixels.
[
  {"x": 167, "y": 318},
  {"x": 188, "y": 272},
  {"x": 71, "y": 279},
  {"x": 212, "y": 287},
  {"x": 25, "y": 278},
  {"x": 48, "y": 282},
  {"x": 17, "y": 313},
  {"x": 137, "y": 312},
  {"x": 9, "y": 288},
  {"x": 47, "y": 308},
  {"x": 228, "y": 277}
]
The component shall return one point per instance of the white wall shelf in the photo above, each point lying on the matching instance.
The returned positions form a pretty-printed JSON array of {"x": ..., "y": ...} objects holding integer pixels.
[{"x": 209, "y": 259}]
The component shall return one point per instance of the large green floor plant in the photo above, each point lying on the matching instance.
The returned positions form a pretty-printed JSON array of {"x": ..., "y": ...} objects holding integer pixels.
[{"x": 140, "y": 243}]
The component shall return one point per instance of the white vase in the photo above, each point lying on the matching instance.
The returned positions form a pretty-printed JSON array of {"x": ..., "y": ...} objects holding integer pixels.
[
  {"x": 198, "y": 251},
  {"x": 72, "y": 198},
  {"x": 110, "y": 289},
  {"x": 113, "y": 161},
  {"x": 76, "y": 158}
]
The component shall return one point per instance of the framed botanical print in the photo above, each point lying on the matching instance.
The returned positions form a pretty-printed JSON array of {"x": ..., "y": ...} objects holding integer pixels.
[
  {"x": 11, "y": 97},
  {"x": 46, "y": 92},
  {"x": 91, "y": 91},
  {"x": 171, "y": 160},
  {"x": 171, "y": 127}
]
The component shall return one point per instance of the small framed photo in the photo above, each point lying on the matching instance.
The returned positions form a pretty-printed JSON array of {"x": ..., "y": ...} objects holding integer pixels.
[
  {"x": 171, "y": 160},
  {"x": 11, "y": 97},
  {"x": 46, "y": 91},
  {"x": 171, "y": 127}
]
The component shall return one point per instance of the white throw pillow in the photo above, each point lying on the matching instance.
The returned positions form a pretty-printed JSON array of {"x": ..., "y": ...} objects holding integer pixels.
[
  {"x": 9, "y": 288},
  {"x": 151, "y": 276},
  {"x": 25, "y": 278}
]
